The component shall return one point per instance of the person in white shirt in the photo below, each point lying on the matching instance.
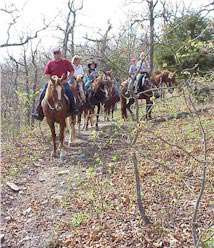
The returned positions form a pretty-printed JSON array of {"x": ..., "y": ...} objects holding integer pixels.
[{"x": 78, "y": 69}]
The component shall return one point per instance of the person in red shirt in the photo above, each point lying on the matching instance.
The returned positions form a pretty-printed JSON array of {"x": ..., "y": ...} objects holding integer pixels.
[{"x": 58, "y": 66}]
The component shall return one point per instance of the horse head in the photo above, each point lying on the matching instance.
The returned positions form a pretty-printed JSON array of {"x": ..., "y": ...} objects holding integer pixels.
[
  {"x": 56, "y": 91},
  {"x": 101, "y": 88},
  {"x": 80, "y": 86}
]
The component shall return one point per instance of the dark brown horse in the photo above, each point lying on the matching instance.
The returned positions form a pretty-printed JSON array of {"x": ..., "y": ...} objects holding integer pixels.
[
  {"x": 147, "y": 91},
  {"x": 113, "y": 96},
  {"x": 79, "y": 95},
  {"x": 94, "y": 98},
  {"x": 56, "y": 107},
  {"x": 164, "y": 78}
]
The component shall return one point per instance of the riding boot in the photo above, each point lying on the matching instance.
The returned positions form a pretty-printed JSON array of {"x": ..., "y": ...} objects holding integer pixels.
[{"x": 38, "y": 114}]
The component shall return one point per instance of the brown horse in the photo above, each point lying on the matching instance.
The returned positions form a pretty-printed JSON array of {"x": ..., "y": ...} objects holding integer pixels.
[
  {"x": 164, "y": 78},
  {"x": 56, "y": 107},
  {"x": 147, "y": 91},
  {"x": 111, "y": 101},
  {"x": 79, "y": 95}
]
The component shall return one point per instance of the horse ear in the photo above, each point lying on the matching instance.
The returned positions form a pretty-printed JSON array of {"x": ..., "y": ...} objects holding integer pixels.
[
  {"x": 63, "y": 77},
  {"x": 52, "y": 79}
]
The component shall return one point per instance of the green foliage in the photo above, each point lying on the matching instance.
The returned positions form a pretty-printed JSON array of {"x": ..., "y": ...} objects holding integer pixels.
[
  {"x": 78, "y": 219},
  {"x": 185, "y": 42}
]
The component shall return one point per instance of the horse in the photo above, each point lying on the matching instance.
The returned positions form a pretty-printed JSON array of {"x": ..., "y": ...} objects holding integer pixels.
[
  {"x": 111, "y": 101},
  {"x": 56, "y": 109},
  {"x": 161, "y": 78},
  {"x": 147, "y": 91},
  {"x": 94, "y": 98},
  {"x": 79, "y": 95}
]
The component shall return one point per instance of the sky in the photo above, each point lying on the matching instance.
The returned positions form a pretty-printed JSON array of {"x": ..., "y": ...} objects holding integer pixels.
[{"x": 91, "y": 20}]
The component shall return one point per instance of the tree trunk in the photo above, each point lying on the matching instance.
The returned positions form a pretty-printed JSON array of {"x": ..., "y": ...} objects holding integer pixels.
[{"x": 151, "y": 38}]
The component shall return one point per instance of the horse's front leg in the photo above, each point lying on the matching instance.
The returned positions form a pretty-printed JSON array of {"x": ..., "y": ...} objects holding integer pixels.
[
  {"x": 73, "y": 130},
  {"x": 149, "y": 105},
  {"x": 97, "y": 116},
  {"x": 70, "y": 123},
  {"x": 62, "y": 134},
  {"x": 128, "y": 106},
  {"x": 53, "y": 133},
  {"x": 79, "y": 122},
  {"x": 112, "y": 112}
]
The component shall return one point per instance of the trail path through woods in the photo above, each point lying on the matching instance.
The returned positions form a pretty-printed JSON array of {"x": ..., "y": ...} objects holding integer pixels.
[{"x": 31, "y": 216}]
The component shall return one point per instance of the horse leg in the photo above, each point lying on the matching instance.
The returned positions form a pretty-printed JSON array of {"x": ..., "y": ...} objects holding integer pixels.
[
  {"x": 61, "y": 138},
  {"x": 68, "y": 126},
  {"x": 123, "y": 107},
  {"x": 149, "y": 105},
  {"x": 79, "y": 122},
  {"x": 53, "y": 133},
  {"x": 73, "y": 123},
  {"x": 62, "y": 134},
  {"x": 128, "y": 106},
  {"x": 97, "y": 116},
  {"x": 87, "y": 119},
  {"x": 112, "y": 111},
  {"x": 91, "y": 117},
  {"x": 71, "y": 126},
  {"x": 109, "y": 111}
]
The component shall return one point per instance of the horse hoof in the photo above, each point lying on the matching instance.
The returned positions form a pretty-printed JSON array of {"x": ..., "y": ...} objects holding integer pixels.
[
  {"x": 69, "y": 144},
  {"x": 53, "y": 154}
]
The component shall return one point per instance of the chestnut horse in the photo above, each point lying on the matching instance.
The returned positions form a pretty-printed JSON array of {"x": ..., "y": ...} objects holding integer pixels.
[
  {"x": 161, "y": 78},
  {"x": 79, "y": 95},
  {"x": 147, "y": 91},
  {"x": 56, "y": 107}
]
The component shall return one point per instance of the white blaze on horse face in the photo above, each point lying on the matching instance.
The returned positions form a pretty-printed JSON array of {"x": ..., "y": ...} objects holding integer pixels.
[
  {"x": 106, "y": 92},
  {"x": 59, "y": 92}
]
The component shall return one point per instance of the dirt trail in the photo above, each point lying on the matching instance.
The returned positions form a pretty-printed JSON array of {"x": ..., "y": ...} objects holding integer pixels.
[{"x": 31, "y": 216}]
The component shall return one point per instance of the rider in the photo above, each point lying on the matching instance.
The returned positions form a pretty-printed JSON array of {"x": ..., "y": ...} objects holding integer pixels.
[
  {"x": 133, "y": 68},
  {"x": 142, "y": 72},
  {"x": 91, "y": 75},
  {"x": 78, "y": 69},
  {"x": 132, "y": 74},
  {"x": 58, "y": 66}
]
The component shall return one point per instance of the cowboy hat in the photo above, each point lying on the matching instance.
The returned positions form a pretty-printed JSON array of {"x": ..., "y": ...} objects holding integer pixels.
[{"x": 92, "y": 63}]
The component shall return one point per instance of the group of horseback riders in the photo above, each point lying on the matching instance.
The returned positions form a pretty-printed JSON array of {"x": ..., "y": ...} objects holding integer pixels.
[{"x": 73, "y": 69}]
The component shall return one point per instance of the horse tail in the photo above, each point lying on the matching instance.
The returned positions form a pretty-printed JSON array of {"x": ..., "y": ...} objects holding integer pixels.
[{"x": 123, "y": 107}]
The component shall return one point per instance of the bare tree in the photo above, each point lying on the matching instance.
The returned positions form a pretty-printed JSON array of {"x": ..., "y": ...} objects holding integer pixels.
[
  {"x": 69, "y": 28},
  {"x": 102, "y": 45},
  {"x": 15, "y": 14}
]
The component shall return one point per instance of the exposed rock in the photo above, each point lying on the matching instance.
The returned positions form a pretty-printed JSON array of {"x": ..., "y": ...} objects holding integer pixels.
[
  {"x": 63, "y": 172},
  {"x": 13, "y": 186},
  {"x": 27, "y": 211}
]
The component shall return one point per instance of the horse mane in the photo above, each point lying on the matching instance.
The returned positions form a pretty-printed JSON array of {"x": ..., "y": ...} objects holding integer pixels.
[{"x": 79, "y": 79}]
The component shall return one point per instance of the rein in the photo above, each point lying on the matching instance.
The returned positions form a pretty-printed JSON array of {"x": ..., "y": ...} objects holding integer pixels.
[{"x": 50, "y": 107}]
